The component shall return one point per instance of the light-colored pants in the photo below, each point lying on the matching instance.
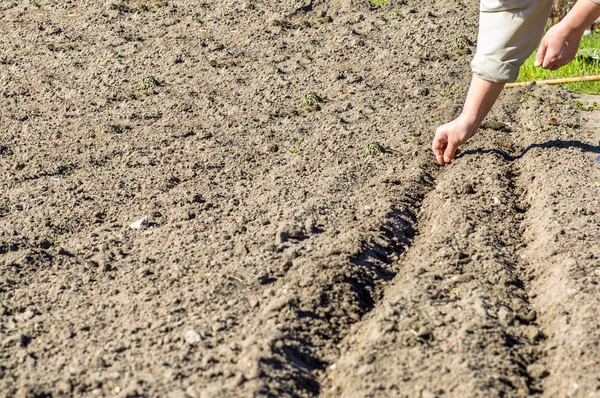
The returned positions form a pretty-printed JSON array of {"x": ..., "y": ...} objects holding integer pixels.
[{"x": 509, "y": 31}]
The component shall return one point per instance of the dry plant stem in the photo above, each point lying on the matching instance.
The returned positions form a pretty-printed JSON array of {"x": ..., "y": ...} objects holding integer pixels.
[{"x": 556, "y": 81}]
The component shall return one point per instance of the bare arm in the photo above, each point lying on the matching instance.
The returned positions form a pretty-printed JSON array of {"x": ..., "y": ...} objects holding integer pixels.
[
  {"x": 480, "y": 99},
  {"x": 559, "y": 45}
]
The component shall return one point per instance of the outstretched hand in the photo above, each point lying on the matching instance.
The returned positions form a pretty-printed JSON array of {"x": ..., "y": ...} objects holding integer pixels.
[
  {"x": 558, "y": 47},
  {"x": 449, "y": 137}
]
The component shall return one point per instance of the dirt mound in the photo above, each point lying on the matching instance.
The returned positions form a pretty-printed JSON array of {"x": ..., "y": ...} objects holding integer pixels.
[{"x": 295, "y": 218}]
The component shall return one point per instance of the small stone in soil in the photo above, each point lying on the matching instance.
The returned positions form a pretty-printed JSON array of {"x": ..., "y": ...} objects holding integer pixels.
[
  {"x": 288, "y": 230},
  {"x": 505, "y": 316},
  {"x": 192, "y": 337},
  {"x": 310, "y": 224},
  {"x": 533, "y": 334},
  {"x": 537, "y": 371},
  {"x": 142, "y": 222}
]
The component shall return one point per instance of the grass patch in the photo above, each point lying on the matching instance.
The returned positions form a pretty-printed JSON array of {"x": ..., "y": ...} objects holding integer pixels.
[
  {"x": 583, "y": 107},
  {"x": 587, "y": 62},
  {"x": 379, "y": 2}
]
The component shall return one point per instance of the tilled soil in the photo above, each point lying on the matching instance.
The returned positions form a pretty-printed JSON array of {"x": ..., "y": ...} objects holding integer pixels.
[{"x": 300, "y": 239}]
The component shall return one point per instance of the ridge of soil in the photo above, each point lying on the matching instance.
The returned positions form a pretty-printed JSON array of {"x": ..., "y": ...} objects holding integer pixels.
[{"x": 300, "y": 240}]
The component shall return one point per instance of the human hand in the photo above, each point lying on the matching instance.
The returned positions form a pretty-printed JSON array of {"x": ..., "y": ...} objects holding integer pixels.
[
  {"x": 558, "y": 47},
  {"x": 449, "y": 136}
]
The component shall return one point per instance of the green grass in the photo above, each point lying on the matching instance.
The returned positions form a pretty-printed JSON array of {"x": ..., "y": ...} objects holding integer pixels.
[
  {"x": 379, "y": 2},
  {"x": 586, "y": 63}
]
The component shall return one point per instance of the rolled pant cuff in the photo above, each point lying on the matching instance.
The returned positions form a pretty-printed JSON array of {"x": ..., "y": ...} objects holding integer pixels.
[{"x": 494, "y": 70}]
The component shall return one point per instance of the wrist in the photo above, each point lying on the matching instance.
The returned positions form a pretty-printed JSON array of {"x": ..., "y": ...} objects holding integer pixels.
[
  {"x": 469, "y": 122},
  {"x": 580, "y": 17},
  {"x": 571, "y": 26}
]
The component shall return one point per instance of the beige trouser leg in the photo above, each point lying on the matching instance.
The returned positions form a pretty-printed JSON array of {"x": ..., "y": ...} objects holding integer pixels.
[{"x": 509, "y": 31}]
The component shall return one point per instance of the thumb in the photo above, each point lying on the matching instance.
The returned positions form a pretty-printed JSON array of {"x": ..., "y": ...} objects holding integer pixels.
[
  {"x": 450, "y": 151},
  {"x": 539, "y": 57}
]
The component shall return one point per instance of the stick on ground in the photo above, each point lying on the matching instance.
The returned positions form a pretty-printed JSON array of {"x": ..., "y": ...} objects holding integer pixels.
[{"x": 555, "y": 81}]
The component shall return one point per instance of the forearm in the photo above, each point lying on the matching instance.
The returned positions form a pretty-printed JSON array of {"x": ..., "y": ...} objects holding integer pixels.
[
  {"x": 582, "y": 15},
  {"x": 481, "y": 97}
]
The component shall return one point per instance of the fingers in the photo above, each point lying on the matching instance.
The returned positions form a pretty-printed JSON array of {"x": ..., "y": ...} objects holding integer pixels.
[
  {"x": 450, "y": 151},
  {"x": 551, "y": 62},
  {"x": 444, "y": 149},
  {"x": 541, "y": 54},
  {"x": 438, "y": 147},
  {"x": 546, "y": 57},
  {"x": 548, "y": 62}
]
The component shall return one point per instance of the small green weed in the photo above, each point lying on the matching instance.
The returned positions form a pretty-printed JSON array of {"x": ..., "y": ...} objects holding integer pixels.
[
  {"x": 525, "y": 98},
  {"x": 420, "y": 330},
  {"x": 461, "y": 42},
  {"x": 583, "y": 107},
  {"x": 449, "y": 90},
  {"x": 148, "y": 82},
  {"x": 310, "y": 99},
  {"x": 379, "y": 2},
  {"x": 308, "y": 103},
  {"x": 372, "y": 149},
  {"x": 298, "y": 147}
]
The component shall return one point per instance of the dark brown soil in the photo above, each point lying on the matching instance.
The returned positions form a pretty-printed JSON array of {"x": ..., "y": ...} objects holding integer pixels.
[{"x": 300, "y": 239}]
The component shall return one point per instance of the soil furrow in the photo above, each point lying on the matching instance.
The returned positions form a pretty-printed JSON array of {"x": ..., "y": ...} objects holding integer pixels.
[
  {"x": 457, "y": 322},
  {"x": 300, "y": 332}
]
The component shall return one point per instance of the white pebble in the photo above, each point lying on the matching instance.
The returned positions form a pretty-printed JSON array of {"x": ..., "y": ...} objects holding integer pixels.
[
  {"x": 192, "y": 337},
  {"x": 142, "y": 222}
]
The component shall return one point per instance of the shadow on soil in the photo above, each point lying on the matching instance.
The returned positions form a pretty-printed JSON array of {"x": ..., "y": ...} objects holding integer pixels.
[
  {"x": 549, "y": 144},
  {"x": 374, "y": 262}
]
